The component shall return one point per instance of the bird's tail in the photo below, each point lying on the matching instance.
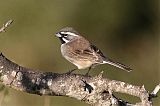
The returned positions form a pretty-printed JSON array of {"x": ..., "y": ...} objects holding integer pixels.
[{"x": 117, "y": 64}]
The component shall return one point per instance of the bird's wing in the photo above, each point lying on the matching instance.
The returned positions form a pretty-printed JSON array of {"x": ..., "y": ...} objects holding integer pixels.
[
  {"x": 91, "y": 53},
  {"x": 97, "y": 51}
]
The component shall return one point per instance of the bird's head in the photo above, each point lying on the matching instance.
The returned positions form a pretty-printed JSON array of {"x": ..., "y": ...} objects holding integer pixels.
[{"x": 67, "y": 34}]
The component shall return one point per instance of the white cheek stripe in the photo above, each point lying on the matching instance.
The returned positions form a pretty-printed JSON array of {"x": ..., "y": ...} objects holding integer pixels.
[
  {"x": 69, "y": 33},
  {"x": 65, "y": 40}
]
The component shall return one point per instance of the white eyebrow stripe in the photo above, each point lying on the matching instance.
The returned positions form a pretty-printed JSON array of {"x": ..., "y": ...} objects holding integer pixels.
[{"x": 69, "y": 33}]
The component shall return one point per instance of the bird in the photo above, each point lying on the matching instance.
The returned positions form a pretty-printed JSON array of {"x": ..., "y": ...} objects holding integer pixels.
[{"x": 81, "y": 52}]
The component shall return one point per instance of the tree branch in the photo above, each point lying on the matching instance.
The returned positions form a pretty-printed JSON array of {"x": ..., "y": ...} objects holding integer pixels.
[
  {"x": 96, "y": 91},
  {"x": 92, "y": 90}
]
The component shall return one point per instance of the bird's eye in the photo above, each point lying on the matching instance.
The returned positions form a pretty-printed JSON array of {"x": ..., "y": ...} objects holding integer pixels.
[{"x": 64, "y": 35}]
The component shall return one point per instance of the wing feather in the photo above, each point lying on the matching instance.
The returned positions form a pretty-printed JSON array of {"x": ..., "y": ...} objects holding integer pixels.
[{"x": 91, "y": 53}]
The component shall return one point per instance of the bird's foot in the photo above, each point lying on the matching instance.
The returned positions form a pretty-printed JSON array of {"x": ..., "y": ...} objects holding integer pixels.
[
  {"x": 87, "y": 74},
  {"x": 70, "y": 71}
]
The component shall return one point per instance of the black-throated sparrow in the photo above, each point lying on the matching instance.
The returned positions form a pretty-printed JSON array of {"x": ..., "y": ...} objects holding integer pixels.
[{"x": 79, "y": 51}]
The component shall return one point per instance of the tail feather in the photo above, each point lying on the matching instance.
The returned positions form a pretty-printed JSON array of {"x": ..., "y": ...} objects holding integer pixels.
[{"x": 118, "y": 65}]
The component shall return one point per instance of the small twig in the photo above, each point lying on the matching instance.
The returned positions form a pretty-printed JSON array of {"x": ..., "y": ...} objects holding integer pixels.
[
  {"x": 2, "y": 29},
  {"x": 154, "y": 92},
  {"x": 156, "y": 89}
]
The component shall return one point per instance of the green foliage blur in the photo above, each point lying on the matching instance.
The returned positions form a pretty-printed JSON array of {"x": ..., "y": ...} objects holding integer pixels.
[{"x": 125, "y": 30}]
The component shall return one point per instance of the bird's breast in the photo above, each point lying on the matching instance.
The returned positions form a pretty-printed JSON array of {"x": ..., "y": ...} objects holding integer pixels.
[{"x": 71, "y": 57}]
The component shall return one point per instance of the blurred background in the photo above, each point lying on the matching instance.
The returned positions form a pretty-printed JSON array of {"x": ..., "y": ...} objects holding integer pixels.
[{"x": 125, "y": 30}]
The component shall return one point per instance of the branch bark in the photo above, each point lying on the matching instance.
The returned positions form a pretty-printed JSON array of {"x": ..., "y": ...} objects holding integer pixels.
[{"x": 96, "y": 91}]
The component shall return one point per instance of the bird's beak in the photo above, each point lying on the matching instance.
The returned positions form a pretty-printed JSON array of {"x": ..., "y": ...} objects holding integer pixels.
[{"x": 58, "y": 35}]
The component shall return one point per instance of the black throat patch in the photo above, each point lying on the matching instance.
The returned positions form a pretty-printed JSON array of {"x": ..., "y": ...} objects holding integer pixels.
[{"x": 62, "y": 41}]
